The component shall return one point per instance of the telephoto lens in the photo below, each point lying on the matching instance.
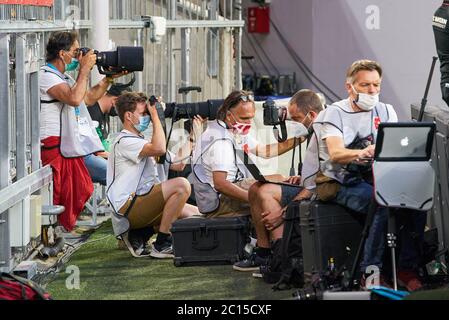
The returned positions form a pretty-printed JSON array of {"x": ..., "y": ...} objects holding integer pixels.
[{"x": 128, "y": 59}]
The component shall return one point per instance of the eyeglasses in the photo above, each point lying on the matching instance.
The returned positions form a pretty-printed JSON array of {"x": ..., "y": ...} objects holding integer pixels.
[
  {"x": 247, "y": 98},
  {"x": 74, "y": 52}
]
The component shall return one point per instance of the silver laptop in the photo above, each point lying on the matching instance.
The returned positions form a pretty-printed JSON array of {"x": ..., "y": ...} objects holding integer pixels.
[
  {"x": 404, "y": 141},
  {"x": 403, "y": 175}
]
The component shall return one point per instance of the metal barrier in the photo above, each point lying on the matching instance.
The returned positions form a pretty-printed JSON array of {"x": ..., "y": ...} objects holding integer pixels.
[
  {"x": 439, "y": 215},
  {"x": 198, "y": 47}
]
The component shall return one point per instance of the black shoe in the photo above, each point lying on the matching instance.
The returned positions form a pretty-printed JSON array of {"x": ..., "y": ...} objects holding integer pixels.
[
  {"x": 136, "y": 244},
  {"x": 253, "y": 263}
]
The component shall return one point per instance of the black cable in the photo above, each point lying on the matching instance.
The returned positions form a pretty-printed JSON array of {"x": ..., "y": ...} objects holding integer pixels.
[
  {"x": 292, "y": 169},
  {"x": 266, "y": 55},
  {"x": 302, "y": 65},
  {"x": 258, "y": 55},
  {"x": 250, "y": 64}
]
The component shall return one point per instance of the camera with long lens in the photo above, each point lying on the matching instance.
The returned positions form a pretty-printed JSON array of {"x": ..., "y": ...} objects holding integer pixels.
[
  {"x": 274, "y": 115},
  {"x": 206, "y": 109},
  {"x": 122, "y": 59}
]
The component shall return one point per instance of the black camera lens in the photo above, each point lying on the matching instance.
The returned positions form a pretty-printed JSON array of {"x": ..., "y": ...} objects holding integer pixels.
[{"x": 123, "y": 59}]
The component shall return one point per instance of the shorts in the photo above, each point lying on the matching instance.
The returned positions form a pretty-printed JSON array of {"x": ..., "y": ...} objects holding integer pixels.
[
  {"x": 147, "y": 208},
  {"x": 288, "y": 194},
  {"x": 230, "y": 207}
]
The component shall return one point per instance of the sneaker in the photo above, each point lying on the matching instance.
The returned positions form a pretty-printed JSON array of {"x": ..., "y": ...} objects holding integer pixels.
[
  {"x": 162, "y": 251},
  {"x": 383, "y": 282},
  {"x": 135, "y": 245},
  {"x": 409, "y": 280},
  {"x": 251, "y": 264},
  {"x": 257, "y": 274}
]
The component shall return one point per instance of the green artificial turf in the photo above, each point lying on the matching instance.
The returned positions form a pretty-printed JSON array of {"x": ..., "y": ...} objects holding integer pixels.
[{"x": 109, "y": 273}]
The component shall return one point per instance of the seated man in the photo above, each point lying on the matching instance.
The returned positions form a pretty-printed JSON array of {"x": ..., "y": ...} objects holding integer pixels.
[
  {"x": 221, "y": 181},
  {"x": 140, "y": 200},
  {"x": 100, "y": 111},
  {"x": 268, "y": 201},
  {"x": 348, "y": 137}
]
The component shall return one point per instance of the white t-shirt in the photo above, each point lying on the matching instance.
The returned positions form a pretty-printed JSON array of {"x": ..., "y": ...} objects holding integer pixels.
[
  {"x": 340, "y": 120},
  {"x": 311, "y": 163},
  {"x": 50, "y": 115},
  {"x": 221, "y": 156},
  {"x": 127, "y": 172}
]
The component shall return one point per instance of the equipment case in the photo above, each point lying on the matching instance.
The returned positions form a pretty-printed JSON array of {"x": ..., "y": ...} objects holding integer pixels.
[
  {"x": 328, "y": 231},
  {"x": 209, "y": 241}
]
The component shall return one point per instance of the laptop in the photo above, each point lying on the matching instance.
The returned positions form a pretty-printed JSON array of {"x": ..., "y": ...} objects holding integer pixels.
[
  {"x": 404, "y": 141},
  {"x": 403, "y": 174},
  {"x": 255, "y": 172}
]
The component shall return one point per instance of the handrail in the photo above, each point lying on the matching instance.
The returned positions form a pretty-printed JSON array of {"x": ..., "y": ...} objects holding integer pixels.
[{"x": 16, "y": 192}]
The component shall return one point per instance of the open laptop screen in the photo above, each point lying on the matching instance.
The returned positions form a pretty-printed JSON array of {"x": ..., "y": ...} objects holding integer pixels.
[{"x": 410, "y": 141}]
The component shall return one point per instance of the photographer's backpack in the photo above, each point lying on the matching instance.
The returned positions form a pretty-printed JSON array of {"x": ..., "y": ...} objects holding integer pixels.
[
  {"x": 285, "y": 267},
  {"x": 17, "y": 288}
]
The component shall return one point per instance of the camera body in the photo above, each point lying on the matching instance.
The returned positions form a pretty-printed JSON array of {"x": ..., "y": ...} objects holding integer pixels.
[
  {"x": 273, "y": 115},
  {"x": 122, "y": 59},
  {"x": 160, "y": 110}
]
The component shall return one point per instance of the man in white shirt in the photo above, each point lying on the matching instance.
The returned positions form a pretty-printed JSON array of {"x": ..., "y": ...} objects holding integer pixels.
[
  {"x": 221, "y": 181},
  {"x": 348, "y": 137},
  {"x": 138, "y": 196},
  {"x": 268, "y": 201}
]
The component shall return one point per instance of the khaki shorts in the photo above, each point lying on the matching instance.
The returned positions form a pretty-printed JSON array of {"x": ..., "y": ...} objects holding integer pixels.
[
  {"x": 230, "y": 207},
  {"x": 147, "y": 208}
]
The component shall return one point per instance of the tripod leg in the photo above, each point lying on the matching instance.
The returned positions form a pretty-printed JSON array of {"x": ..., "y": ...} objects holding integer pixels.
[
  {"x": 391, "y": 238},
  {"x": 369, "y": 220}
]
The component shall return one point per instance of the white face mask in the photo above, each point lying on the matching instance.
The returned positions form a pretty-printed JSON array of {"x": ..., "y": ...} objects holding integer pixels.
[
  {"x": 365, "y": 101},
  {"x": 298, "y": 129}
]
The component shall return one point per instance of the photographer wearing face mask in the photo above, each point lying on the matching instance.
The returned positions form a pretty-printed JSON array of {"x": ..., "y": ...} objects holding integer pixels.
[
  {"x": 221, "y": 181},
  {"x": 139, "y": 198},
  {"x": 347, "y": 142},
  {"x": 268, "y": 200},
  {"x": 66, "y": 130}
]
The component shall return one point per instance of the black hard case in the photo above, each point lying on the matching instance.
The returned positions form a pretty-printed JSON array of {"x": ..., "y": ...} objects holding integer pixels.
[
  {"x": 328, "y": 231},
  {"x": 198, "y": 241}
]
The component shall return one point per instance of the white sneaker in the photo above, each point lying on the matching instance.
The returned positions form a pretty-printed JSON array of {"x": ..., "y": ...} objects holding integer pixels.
[{"x": 164, "y": 251}]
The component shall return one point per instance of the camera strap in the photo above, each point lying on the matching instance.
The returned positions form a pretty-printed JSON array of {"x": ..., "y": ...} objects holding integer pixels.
[
  {"x": 283, "y": 136},
  {"x": 113, "y": 177}
]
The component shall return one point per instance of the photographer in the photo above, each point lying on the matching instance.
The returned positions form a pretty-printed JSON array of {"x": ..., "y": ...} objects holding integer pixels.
[
  {"x": 100, "y": 111},
  {"x": 441, "y": 33},
  {"x": 139, "y": 198},
  {"x": 66, "y": 130},
  {"x": 348, "y": 137},
  {"x": 267, "y": 200},
  {"x": 221, "y": 181}
]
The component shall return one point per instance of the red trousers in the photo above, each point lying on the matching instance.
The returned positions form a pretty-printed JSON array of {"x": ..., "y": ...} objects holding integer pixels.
[{"x": 72, "y": 185}]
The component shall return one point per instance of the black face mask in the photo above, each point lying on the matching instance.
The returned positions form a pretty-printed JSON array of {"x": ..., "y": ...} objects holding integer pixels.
[{"x": 113, "y": 112}]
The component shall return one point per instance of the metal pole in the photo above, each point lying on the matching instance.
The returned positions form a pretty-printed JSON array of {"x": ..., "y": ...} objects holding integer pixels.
[
  {"x": 171, "y": 54},
  {"x": 100, "y": 30},
  {"x": 238, "y": 47},
  {"x": 5, "y": 250},
  {"x": 21, "y": 107},
  {"x": 35, "y": 120},
  {"x": 185, "y": 61},
  {"x": 139, "y": 75}
]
